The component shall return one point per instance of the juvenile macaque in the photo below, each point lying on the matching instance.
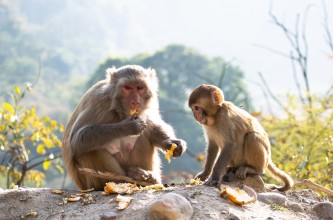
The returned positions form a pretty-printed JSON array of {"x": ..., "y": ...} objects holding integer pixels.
[
  {"x": 235, "y": 139},
  {"x": 116, "y": 127}
]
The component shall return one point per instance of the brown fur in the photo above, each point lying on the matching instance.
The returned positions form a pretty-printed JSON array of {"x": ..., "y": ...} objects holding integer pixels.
[
  {"x": 100, "y": 130},
  {"x": 238, "y": 136}
]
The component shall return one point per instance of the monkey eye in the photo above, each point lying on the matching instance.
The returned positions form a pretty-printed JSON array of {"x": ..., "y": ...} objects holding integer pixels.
[
  {"x": 140, "y": 88},
  {"x": 127, "y": 87},
  {"x": 196, "y": 108}
]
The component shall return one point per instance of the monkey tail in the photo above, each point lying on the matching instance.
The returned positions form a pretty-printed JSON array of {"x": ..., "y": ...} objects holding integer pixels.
[{"x": 276, "y": 172}]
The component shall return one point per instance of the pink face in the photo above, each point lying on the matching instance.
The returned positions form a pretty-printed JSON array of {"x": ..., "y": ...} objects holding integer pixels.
[
  {"x": 199, "y": 114},
  {"x": 133, "y": 94}
]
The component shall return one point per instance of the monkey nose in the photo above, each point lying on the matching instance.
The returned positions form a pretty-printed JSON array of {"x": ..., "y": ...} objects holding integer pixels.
[{"x": 135, "y": 105}]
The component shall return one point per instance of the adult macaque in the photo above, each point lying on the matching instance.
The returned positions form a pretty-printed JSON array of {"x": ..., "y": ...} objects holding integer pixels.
[
  {"x": 235, "y": 139},
  {"x": 102, "y": 134}
]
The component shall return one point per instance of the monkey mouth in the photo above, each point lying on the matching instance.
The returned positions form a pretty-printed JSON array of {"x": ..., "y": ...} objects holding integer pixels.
[
  {"x": 134, "y": 112},
  {"x": 203, "y": 121}
]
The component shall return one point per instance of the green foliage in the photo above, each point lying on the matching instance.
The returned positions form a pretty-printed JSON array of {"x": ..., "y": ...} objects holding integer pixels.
[
  {"x": 303, "y": 141},
  {"x": 26, "y": 142}
]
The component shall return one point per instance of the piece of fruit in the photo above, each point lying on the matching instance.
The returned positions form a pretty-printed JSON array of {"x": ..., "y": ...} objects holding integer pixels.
[
  {"x": 156, "y": 186},
  {"x": 133, "y": 112},
  {"x": 74, "y": 199},
  {"x": 196, "y": 181},
  {"x": 169, "y": 152},
  {"x": 123, "y": 202},
  {"x": 120, "y": 188},
  {"x": 57, "y": 191},
  {"x": 236, "y": 195}
]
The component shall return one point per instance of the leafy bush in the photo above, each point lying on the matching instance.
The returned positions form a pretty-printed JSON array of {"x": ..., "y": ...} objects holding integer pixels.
[
  {"x": 28, "y": 143},
  {"x": 302, "y": 142}
]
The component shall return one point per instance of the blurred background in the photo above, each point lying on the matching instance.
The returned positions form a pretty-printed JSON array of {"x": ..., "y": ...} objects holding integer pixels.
[{"x": 272, "y": 58}]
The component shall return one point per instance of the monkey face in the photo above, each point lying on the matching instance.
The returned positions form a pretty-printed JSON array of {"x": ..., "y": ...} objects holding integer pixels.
[
  {"x": 205, "y": 101},
  {"x": 202, "y": 116},
  {"x": 134, "y": 94}
]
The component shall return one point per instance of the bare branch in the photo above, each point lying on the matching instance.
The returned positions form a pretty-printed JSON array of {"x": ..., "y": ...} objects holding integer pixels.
[
  {"x": 326, "y": 27},
  {"x": 39, "y": 72},
  {"x": 290, "y": 36},
  {"x": 223, "y": 73},
  {"x": 271, "y": 94},
  {"x": 305, "y": 56},
  {"x": 275, "y": 51},
  {"x": 193, "y": 155},
  {"x": 207, "y": 79},
  {"x": 298, "y": 86},
  {"x": 313, "y": 185},
  {"x": 111, "y": 176},
  {"x": 301, "y": 54},
  {"x": 44, "y": 160},
  {"x": 265, "y": 96}
]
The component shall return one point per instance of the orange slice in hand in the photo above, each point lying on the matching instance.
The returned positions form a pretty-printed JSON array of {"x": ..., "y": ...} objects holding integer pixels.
[{"x": 169, "y": 152}]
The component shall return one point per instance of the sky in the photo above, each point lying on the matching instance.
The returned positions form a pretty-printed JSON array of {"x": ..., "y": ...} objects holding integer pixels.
[{"x": 237, "y": 30}]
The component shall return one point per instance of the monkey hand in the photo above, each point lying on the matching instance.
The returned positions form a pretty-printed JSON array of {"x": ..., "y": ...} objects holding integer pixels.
[
  {"x": 180, "y": 148},
  {"x": 202, "y": 176},
  {"x": 134, "y": 125}
]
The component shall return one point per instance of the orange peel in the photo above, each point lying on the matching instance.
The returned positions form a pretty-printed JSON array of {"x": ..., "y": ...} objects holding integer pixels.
[
  {"x": 123, "y": 202},
  {"x": 120, "y": 188},
  {"x": 237, "y": 196},
  {"x": 169, "y": 152}
]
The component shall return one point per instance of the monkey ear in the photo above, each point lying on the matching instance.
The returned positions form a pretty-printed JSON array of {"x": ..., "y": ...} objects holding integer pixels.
[
  {"x": 153, "y": 76},
  {"x": 217, "y": 97},
  {"x": 110, "y": 74},
  {"x": 152, "y": 73}
]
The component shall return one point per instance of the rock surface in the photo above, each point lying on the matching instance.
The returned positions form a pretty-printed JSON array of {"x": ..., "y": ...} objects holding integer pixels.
[
  {"x": 32, "y": 203},
  {"x": 272, "y": 197},
  {"x": 169, "y": 206},
  {"x": 324, "y": 210}
]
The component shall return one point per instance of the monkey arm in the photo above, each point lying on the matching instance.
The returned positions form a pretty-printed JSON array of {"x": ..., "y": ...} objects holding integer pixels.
[
  {"x": 95, "y": 136},
  {"x": 212, "y": 151},
  {"x": 163, "y": 136},
  {"x": 222, "y": 162}
]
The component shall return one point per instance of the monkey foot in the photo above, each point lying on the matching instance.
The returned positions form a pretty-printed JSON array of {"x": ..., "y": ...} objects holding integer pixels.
[
  {"x": 140, "y": 174},
  {"x": 214, "y": 183},
  {"x": 252, "y": 180}
]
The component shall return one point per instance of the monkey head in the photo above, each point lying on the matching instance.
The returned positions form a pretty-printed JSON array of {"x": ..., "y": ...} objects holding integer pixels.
[
  {"x": 205, "y": 101},
  {"x": 135, "y": 88}
]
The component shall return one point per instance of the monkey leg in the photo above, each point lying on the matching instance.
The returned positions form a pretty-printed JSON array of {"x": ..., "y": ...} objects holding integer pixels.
[
  {"x": 100, "y": 161},
  {"x": 255, "y": 155},
  {"x": 138, "y": 173},
  {"x": 202, "y": 175},
  {"x": 243, "y": 171}
]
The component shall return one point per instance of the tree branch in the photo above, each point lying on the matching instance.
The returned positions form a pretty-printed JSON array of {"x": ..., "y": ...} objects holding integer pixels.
[
  {"x": 326, "y": 27},
  {"x": 301, "y": 56},
  {"x": 313, "y": 185},
  {"x": 111, "y": 176},
  {"x": 271, "y": 94}
]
